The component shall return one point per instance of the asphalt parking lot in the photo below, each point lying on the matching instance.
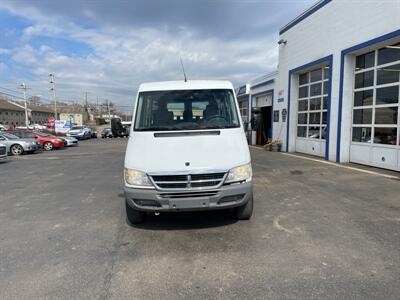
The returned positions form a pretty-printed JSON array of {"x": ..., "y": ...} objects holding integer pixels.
[{"x": 318, "y": 232}]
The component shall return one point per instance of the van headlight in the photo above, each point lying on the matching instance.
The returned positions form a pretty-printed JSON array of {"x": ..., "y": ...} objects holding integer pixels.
[
  {"x": 241, "y": 173},
  {"x": 137, "y": 178}
]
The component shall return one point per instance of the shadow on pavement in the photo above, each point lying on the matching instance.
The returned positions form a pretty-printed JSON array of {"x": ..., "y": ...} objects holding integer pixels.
[{"x": 188, "y": 220}]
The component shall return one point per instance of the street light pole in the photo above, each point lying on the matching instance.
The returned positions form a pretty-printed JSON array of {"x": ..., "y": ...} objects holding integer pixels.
[{"x": 24, "y": 88}]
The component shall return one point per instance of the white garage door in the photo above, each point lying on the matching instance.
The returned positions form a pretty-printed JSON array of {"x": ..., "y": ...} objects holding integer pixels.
[
  {"x": 312, "y": 107},
  {"x": 375, "y": 130}
]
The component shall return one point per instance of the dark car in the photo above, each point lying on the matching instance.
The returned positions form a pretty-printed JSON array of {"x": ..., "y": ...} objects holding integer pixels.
[
  {"x": 93, "y": 133},
  {"x": 106, "y": 133}
]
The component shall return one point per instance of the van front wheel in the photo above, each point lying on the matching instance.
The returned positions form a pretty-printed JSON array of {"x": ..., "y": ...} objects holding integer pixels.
[
  {"x": 134, "y": 216},
  {"x": 245, "y": 212}
]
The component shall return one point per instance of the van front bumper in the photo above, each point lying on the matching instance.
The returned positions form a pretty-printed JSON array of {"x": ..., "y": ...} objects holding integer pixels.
[{"x": 227, "y": 196}]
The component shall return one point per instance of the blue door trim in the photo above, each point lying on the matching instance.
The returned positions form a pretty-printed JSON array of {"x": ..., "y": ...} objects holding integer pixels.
[
  {"x": 344, "y": 52},
  {"x": 328, "y": 59},
  {"x": 271, "y": 91}
]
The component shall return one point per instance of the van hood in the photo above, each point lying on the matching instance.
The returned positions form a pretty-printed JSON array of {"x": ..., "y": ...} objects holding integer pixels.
[{"x": 169, "y": 152}]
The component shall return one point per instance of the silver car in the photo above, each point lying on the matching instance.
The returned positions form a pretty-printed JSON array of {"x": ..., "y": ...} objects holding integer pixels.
[
  {"x": 3, "y": 152},
  {"x": 71, "y": 141},
  {"x": 80, "y": 132},
  {"x": 17, "y": 146}
]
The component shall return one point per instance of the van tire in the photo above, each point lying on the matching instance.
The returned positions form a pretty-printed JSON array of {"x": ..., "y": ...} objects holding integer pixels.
[
  {"x": 245, "y": 212},
  {"x": 134, "y": 216}
]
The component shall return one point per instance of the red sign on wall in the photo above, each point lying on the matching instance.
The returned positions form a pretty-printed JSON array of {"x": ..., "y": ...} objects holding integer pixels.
[{"x": 51, "y": 122}]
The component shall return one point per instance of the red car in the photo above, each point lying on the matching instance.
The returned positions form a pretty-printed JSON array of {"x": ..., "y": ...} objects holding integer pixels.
[{"x": 48, "y": 141}]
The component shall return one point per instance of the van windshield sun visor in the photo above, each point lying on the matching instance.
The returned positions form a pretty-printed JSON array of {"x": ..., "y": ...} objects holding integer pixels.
[{"x": 186, "y": 133}]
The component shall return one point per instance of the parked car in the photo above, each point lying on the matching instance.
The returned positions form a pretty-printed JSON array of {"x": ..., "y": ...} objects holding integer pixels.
[
  {"x": 106, "y": 133},
  {"x": 79, "y": 132},
  {"x": 48, "y": 141},
  {"x": 93, "y": 133},
  {"x": 191, "y": 163},
  {"x": 2, "y": 128},
  {"x": 71, "y": 141},
  {"x": 38, "y": 126},
  {"x": 126, "y": 125},
  {"x": 18, "y": 146},
  {"x": 3, "y": 152}
]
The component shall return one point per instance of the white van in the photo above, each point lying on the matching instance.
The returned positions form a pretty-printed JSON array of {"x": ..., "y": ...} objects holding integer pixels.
[{"x": 187, "y": 151}]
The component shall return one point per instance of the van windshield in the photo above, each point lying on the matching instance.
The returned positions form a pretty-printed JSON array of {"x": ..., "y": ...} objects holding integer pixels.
[{"x": 186, "y": 110}]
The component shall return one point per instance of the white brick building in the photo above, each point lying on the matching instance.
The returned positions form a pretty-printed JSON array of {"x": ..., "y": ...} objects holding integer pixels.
[{"x": 338, "y": 83}]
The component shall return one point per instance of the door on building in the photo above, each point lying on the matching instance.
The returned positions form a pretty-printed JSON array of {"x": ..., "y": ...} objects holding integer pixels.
[
  {"x": 375, "y": 131},
  {"x": 312, "y": 111},
  {"x": 262, "y": 110},
  {"x": 264, "y": 133}
]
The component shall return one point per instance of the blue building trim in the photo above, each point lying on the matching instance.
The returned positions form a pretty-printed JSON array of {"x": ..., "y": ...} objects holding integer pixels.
[
  {"x": 344, "y": 52},
  {"x": 263, "y": 83},
  {"x": 304, "y": 16},
  {"x": 264, "y": 93},
  {"x": 241, "y": 90},
  {"x": 328, "y": 59},
  {"x": 271, "y": 91}
]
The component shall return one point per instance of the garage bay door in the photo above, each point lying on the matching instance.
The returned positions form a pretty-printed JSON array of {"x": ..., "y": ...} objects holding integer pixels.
[
  {"x": 375, "y": 130},
  {"x": 312, "y": 108}
]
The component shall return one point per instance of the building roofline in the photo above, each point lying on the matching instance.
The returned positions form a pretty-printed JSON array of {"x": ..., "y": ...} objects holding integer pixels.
[
  {"x": 304, "y": 15},
  {"x": 10, "y": 105},
  {"x": 263, "y": 78}
]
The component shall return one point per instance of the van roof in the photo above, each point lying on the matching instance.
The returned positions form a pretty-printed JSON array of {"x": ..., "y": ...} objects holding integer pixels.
[{"x": 182, "y": 85}]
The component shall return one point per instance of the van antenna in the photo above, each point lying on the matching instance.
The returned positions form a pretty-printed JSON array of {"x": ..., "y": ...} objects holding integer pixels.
[{"x": 183, "y": 69}]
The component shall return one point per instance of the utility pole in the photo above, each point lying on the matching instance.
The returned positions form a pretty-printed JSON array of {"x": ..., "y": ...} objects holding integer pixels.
[
  {"x": 108, "y": 108},
  {"x": 97, "y": 105},
  {"x": 53, "y": 88},
  {"x": 24, "y": 88}
]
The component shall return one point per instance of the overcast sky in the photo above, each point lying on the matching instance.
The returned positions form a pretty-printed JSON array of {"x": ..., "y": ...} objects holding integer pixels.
[{"x": 108, "y": 48}]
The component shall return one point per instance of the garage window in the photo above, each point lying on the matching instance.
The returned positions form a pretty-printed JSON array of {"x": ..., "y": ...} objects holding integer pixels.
[
  {"x": 243, "y": 107},
  {"x": 313, "y": 103},
  {"x": 376, "y": 97}
]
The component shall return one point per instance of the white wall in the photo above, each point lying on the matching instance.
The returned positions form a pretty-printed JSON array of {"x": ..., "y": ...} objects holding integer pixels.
[{"x": 338, "y": 25}]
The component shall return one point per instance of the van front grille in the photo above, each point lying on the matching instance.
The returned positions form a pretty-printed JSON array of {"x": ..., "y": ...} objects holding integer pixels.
[{"x": 188, "y": 181}]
